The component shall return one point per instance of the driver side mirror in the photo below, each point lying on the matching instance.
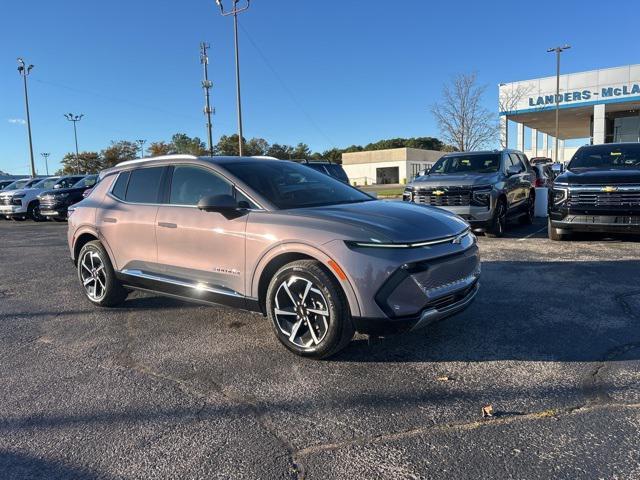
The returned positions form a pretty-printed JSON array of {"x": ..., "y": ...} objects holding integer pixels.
[
  {"x": 218, "y": 203},
  {"x": 512, "y": 170}
]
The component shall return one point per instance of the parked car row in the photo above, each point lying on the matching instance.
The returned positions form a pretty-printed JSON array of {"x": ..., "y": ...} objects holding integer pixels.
[{"x": 41, "y": 198}]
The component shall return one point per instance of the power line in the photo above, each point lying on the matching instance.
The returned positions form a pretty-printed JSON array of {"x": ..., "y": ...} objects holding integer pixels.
[{"x": 286, "y": 88}]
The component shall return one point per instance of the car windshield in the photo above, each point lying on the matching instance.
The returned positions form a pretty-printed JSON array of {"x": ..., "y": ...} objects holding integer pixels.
[
  {"x": 17, "y": 184},
  {"x": 478, "y": 163},
  {"x": 32, "y": 182},
  {"x": 47, "y": 183},
  {"x": 607, "y": 157},
  {"x": 88, "y": 181},
  {"x": 66, "y": 182},
  {"x": 290, "y": 185}
]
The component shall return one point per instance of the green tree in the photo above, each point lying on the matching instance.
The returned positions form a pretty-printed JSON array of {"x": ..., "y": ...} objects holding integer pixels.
[
  {"x": 334, "y": 155},
  {"x": 256, "y": 146},
  {"x": 227, "y": 146},
  {"x": 157, "y": 149},
  {"x": 283, "y": 152},
  {"x": 187, "y": 145},
  {"x": 87, "y": 162},
  {"x": 301, "y": 151},
  {"x": 119, "y": 152}
]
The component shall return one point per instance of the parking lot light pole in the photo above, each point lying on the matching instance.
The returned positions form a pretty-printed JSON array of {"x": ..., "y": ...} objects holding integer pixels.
[
  {"x": 24, "y": 70},
  {"x": 46, "y": 161},
  {"x": 141, "y": 143},
  {"x": 75, "y": 119},
  {"x": 558, "y": 51},
  {"x": 235, "y": 13}
]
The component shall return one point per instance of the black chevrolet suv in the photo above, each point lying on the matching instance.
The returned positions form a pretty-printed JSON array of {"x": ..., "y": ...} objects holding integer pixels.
[
  {"x": 55, "y": 203},
  {"x": 600, "y": 191}
]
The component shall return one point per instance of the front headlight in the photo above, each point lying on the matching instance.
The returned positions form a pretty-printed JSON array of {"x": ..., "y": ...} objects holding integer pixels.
[
  {"x": 407, "y": 195},
  {"x": 17, "y": 199},
  {"x": 559, "y": 193},
  {"x": 482, "y": 196}
]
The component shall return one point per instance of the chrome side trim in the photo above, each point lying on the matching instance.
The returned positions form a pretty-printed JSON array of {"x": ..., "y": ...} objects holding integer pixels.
[{"x": 202, "y": 287}]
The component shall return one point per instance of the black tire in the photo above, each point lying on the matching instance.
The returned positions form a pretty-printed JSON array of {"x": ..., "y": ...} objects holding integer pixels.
[
  {"x": 499, "y": 221},
  {"x": 527, "y": 218},
  {"x": 58, "y": 219},
  {"x": 33, "y": 212},
  {"x": 554, "y": 233},
  {"x": 114, "y": 294},
  {"x": 333, "y": 331}
]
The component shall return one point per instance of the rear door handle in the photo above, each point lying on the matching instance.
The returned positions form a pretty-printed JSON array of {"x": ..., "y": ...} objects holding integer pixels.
[
  {"x": 109, "y": 220},
  {"x": 167, "y": 225}
]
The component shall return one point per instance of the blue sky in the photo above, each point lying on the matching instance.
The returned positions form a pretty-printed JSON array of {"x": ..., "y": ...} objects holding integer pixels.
[{"x": 330, "y": 73}]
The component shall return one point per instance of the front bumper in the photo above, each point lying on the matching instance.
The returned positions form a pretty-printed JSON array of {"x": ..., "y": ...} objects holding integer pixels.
[
  {"x": 11, "y": 210},
  {"x": 58, "y": 213},
  {"x": 449, "y": 306},
  {"x": 598, "y": 223}
]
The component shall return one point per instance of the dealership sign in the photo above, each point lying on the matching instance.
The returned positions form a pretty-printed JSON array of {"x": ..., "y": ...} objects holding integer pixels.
[{"x": 583, "y": 95}]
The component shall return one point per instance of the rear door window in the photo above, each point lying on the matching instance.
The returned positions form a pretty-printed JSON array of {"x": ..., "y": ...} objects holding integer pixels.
[
  {"x": 119, "y": 189},
  {"x": 144, "y": 185}
]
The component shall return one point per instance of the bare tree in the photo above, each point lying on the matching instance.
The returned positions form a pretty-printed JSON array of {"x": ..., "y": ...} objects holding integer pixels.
[{"x": 462, "y": 119}]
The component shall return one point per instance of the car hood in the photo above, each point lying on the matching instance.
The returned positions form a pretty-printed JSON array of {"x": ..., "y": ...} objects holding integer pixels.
[
  {"x": 457, "y": 180},
  {"x": 11, "y": 193},
  {"x": 600, "y": 177},
  {"x": 57, "y": 191},
  {"x": 389, "y": 221}
]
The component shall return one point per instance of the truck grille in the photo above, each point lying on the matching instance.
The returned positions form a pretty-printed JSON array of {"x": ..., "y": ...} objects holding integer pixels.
[
  {"x": 5, "y": 200},
  {"x": 47, "y": 201},
  {"x": 604, "y": 199},
  {"x": 444, "y": 196}
]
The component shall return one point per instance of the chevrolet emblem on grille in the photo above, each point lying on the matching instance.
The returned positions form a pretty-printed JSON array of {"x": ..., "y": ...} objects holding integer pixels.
[
  {"x": 438, "y": 192},
  {"x": 609, "y": 189}
]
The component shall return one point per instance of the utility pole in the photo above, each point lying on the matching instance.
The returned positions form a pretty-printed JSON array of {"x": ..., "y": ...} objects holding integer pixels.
[
  {"x": 46, "y": 161},
  {"x": 558, "y": 51},
  {"x": 75, "y": 119},
  {"x": 24, "y": 72},
  {"x": 206, "y": 86},
  {"x": 235, "y": 13},
  {"x": 141, "y": 143}
]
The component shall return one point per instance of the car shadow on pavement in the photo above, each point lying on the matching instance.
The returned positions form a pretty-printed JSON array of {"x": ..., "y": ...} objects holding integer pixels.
[
  {"x": 528, "y": 310},
  {"x": 20, "y": 465}
]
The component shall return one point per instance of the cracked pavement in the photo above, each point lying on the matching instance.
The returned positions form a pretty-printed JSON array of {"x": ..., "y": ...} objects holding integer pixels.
[{"x": 164, "y": 389}]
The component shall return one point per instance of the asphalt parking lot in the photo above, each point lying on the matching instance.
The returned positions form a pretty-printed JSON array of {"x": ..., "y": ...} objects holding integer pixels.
[{"x": 164, "y": 389}]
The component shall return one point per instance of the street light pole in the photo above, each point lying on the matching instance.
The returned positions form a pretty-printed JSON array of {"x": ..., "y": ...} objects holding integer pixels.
[
  {"x": 141, "y": 143},
  {"x": 46, "y": 161},
  {"x": 24, "y": 71},
  {"x": 75, "y": 119},
  {"x": 235, "y": 13},
  {"x": 558, "y": 51}
]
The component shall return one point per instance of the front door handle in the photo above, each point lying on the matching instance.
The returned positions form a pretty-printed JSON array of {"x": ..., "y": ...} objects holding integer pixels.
[
  {"x": 167, "y": 225},
  {"x": 109, "y": 220}
]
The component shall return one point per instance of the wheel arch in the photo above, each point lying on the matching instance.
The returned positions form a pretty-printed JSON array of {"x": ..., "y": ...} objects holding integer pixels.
[
  {"x": 281, "y": 255},
  {"x": 86, "y": 235}
]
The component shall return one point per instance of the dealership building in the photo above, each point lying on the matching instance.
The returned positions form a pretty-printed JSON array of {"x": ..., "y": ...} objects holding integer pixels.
[
  {"x": 395, "y": 165},
  {"x": 598, "y": 106}
]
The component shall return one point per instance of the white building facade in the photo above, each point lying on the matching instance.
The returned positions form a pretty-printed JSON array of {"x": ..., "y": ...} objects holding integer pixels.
[{"x": 600, "y": 106}]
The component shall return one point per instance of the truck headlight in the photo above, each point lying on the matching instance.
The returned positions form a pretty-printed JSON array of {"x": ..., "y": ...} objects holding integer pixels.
[
  {"x": 559, "y": 195},
  {"x": 17, "y": 199},
  {"x": 407, "y": 195},
  {"x": 482, "y": 196}
]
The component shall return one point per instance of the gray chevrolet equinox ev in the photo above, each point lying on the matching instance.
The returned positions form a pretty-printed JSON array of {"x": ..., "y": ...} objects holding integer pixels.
[
  {"x": 484, "y": 188},
  {"x": 320, "y": 258}
]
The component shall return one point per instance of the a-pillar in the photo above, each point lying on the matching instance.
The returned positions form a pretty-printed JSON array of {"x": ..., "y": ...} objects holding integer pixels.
[
  {"x": 520, "y": 139},
  {"x": 599, "y": 124}
]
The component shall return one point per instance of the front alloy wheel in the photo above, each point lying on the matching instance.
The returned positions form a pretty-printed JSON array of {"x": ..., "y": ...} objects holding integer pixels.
[{"x": 308, "y": 310}]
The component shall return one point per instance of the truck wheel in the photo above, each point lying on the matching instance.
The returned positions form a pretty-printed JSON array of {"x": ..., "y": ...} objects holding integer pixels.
[
  {"x": 527, "y": 218},
  {"x": 33, "y": 212},
  {"x": 499, "y": 221},
  {"x": 308, "y": 310}
]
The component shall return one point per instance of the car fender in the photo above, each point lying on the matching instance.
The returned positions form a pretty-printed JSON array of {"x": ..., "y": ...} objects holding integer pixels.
[
  {"x": 312, "y": 251},
  {"x": 91, "y": 230}
]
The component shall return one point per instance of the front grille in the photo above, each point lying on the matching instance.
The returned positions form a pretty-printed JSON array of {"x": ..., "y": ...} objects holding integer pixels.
[
  {"x": 5, "y": 200},
  {"x": 444, "y": 196},
  {"x": 47, "y": 201},
  {"x": 452, "y": 299},
  {"x": 604, "y": 199}
]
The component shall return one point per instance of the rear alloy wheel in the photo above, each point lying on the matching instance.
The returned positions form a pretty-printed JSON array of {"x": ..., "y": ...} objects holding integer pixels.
[
  {"x": 33, "y": 212},
  {"x": 308, "y": 310},
  {"x": 527, "y": 218},
  {"x": 499, "y": 221},
  {"x": 97, "y": 276}
]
